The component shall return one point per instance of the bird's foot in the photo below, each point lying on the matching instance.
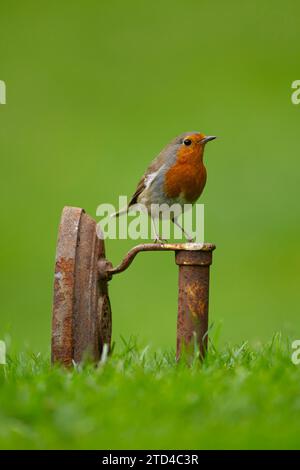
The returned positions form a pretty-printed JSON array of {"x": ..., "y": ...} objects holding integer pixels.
[{"x": 160, "y": 240}]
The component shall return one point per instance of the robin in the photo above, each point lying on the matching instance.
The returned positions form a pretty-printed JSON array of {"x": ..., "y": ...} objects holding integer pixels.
[{"x": 176, "y": 176}]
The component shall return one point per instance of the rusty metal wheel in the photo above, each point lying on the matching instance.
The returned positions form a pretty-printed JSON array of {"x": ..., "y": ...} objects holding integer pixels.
[{"x": 81, "y": 322}]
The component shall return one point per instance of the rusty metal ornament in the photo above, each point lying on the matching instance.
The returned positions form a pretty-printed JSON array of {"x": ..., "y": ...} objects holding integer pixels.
[{"x": 81, "y": 319}]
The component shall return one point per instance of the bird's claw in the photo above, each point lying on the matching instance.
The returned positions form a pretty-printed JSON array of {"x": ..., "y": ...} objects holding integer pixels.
[{"x": 162, "y": 240}]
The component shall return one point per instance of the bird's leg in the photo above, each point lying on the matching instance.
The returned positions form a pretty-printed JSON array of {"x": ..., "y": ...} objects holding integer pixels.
[
  {"x": 156, "y": 235},
  {"x": 186, "y": 234}
]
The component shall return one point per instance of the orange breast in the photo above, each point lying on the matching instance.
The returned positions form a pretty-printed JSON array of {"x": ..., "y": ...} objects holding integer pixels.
[{"x": 186, "y": 178}]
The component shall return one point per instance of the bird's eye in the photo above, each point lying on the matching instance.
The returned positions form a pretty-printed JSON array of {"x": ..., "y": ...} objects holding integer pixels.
[{"x": 187, "y": 142}]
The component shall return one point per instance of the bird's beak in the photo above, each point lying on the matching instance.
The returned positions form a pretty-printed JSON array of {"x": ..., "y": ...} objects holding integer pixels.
[{"x": 208, "y": 138}]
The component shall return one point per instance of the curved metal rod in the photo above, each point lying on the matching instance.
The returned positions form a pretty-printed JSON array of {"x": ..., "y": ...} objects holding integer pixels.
[{"x": 126, "y": 262}]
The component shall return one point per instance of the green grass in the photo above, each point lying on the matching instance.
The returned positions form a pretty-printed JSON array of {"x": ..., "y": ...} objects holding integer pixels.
[{"x": 241, "y": 397}]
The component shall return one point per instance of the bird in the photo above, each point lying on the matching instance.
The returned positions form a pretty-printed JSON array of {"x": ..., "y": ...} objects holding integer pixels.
[{"x": 176, "y": 176}]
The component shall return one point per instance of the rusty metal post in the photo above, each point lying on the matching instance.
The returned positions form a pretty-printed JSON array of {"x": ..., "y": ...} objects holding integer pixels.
[
  {"x": 192, "y": 321},
  {"x": 82, "y": 319}
]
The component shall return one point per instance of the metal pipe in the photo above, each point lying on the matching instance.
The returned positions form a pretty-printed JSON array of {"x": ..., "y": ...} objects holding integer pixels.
[
  {"x": 193, "y": 292},
  {"x": 194, "y": 260},
  {"x": 129, "y": 257}
]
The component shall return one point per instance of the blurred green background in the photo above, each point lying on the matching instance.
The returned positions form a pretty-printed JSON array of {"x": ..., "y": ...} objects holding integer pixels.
[{"x": 95, "y": 89}]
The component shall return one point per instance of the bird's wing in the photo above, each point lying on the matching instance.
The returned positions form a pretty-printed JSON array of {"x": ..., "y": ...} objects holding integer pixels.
[
  {"x": 149, "y": 176},
  {"x": 140, "y": 188},
  {"x": 165, "y": 158}
]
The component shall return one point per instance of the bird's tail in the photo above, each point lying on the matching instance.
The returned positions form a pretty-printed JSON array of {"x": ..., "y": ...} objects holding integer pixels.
[{"x": 120, "y": 212}]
